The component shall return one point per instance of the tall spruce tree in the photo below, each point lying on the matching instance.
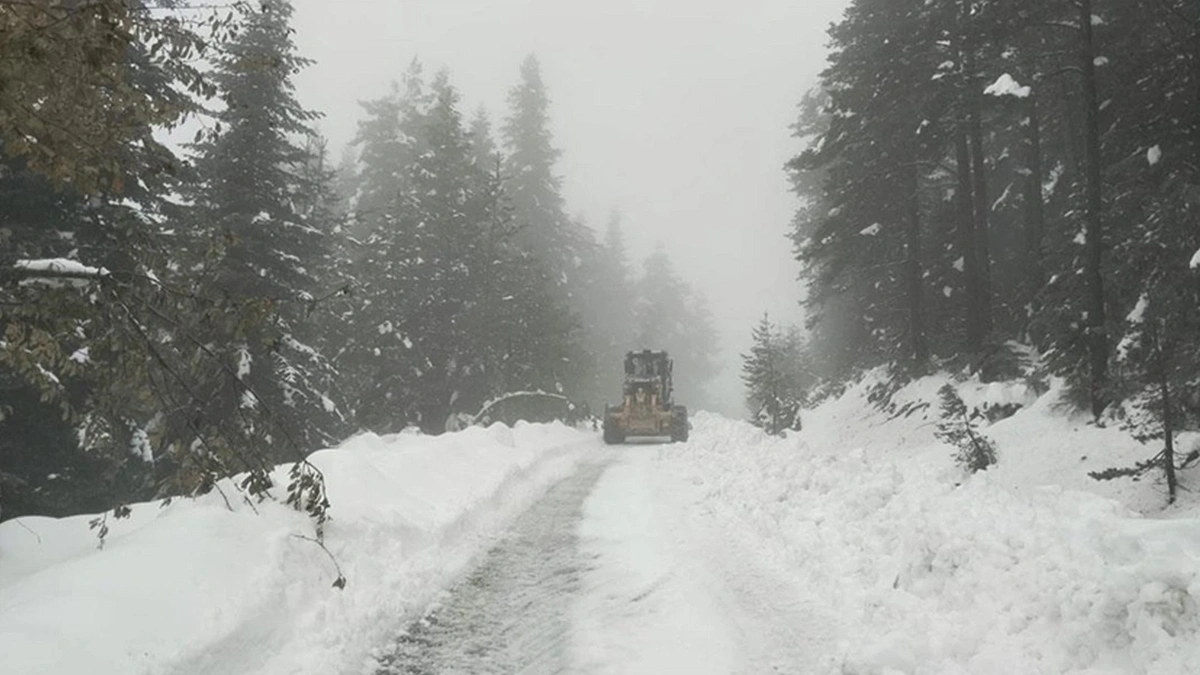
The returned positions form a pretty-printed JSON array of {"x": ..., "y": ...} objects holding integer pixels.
[
  {"x": 267, "y": 238},
  {"x": 670, "y": 315},
  {"x": 608, "y": 311},
  {"x": 533, "y": 185},
  {"x": 558, "y": 244},
  {"x": 377, "y": 355}
]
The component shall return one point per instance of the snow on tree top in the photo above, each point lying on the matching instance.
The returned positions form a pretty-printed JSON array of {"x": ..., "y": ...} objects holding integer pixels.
[
  {"x": 1138, "y": 313},
  {"x": 60, "y": 266},
  {"x": 1154, "y": 156},
  {"x": 1005, "y": 85}
]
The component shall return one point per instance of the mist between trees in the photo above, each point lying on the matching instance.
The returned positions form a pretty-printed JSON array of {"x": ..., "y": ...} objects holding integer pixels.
[{"x": 171, "y": 317}]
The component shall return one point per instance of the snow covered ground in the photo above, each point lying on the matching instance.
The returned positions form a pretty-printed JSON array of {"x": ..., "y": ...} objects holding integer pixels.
[
  {"x": 198, "y": 588},
  {"x": 854, "y": 547},
  {"x": 1031, "y": 567}
]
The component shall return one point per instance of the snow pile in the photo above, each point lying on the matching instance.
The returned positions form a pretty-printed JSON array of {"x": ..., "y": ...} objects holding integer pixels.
[
  {"x": 1031, "y": 567},
  {"x": 1005, "y": 85},
  {"x": 199, "y": 587},
  {"x": 58, "y": 272},
  {"x": 60, "y": 266}
]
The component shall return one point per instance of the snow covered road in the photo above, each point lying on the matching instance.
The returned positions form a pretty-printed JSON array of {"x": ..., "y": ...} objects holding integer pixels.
[
  {"x": 674, "y": 590},
  {"x": 855, "y": 547},
  {"x": 510, "y": 615},
  {"x": 618, "y": 570}
]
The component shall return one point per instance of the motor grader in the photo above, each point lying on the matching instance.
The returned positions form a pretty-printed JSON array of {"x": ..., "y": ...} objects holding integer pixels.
[{"x": 647, "y": 409}]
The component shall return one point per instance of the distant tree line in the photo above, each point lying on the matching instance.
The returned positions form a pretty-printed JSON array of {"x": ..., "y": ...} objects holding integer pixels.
[
  {"x": 980, "y": 173},
  {"x": 168, "y": 320}
]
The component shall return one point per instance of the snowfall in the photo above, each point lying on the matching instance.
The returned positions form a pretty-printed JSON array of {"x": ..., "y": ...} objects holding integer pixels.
[{"x": 855, "y": 546}]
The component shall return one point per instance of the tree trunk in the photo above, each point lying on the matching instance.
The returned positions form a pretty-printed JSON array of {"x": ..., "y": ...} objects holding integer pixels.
[
  {"x": 1196, "y": 88},
  {"x": 1035, "y": 213},
  {"x": 912, "y": 271},
  {"x": 966, "y": 243},
  {"x": 1168, "y": 421},
  {"x": 980, "y": 193},
  {"x": 1097, "y": 338},
  {"x": 972, "y": 189}
]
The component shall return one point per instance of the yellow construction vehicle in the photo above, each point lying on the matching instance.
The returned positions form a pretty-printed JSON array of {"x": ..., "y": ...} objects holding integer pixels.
[{"x": 646, "y": 409}]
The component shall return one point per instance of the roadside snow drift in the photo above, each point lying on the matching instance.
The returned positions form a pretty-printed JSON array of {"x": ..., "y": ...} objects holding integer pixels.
[
  {"x": 934, "y": 572},
  {"x": 198, "y": 587}
]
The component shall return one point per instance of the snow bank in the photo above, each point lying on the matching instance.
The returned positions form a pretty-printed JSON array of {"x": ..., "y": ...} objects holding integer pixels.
[
  {"x": 1031, "y": 567},
  {"x": 197, "y": 587}
]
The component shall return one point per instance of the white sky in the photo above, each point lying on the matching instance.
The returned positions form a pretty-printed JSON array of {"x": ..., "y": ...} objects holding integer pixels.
[{"x": 674, "y": 112}]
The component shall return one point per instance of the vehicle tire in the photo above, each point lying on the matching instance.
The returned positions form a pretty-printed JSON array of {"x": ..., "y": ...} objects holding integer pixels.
[
  {"x": 612, "y": 432},
  {"x": 679, "y": 424}
]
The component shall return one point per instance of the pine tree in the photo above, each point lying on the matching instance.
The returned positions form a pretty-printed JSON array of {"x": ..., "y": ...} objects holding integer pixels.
[
  {"x": 483, "y": 145},
  {"x": 874, "y": 137},
  {"x": 975, "y": 452},
  {"x": 533, "y": 186},
  {"x": 670, "y": 315},
  {"x": 607, "y": 308},
  {"x": 124, "y": 355},
  {"x": 258, "y": 203},
  {"x": 1158, "y": 131},
  {"x": 376, "y": 355},
  {"x": 446, "y": 226},
  {"x": 558, "y": 244},
  {"x": 771, "y": 373}
]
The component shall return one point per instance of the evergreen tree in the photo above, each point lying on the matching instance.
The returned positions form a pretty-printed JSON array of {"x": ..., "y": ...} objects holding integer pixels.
[
  {"x": 446, "y": 224},
  {"x": 975, "y": 452},
  {"x": 608, "y": 310},
  {"x": 559, "y": 244},
  {"x": 449, "y": 311},
  {"x": 116, "y": 337},
  {"x": 377, "y": 355},
  {"x": 266, "y": 215},
  {"x": 533, "y": 186},
  {"x": 874, "y": 138},
  {"x": 773, "y": 374},
  {"x": 669, "y": 315},
  {"x": 483, "y": 145}
]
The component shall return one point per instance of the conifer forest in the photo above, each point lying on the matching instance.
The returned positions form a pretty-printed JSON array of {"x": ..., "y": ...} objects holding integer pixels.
[
  {"x": 985, "y": 179},
  {"x": 979, "y": 180},
  {"x": 173, "y": 313},
  {"x": 406, "y": 337}
]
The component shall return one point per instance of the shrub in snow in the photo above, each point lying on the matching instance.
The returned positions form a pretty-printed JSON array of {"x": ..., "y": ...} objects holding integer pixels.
[
  {"x": 976, "y": 452},
  {"x": 1160, "y": 365}
]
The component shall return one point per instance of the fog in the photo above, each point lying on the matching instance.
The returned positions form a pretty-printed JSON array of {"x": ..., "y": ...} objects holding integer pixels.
[{"x": 673, "y": 112}]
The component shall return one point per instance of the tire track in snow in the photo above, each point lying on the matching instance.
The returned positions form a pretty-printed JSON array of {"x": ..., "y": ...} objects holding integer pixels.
[
  {"x": 675, "y": 590},
  {"x": 511, "y": 613}
]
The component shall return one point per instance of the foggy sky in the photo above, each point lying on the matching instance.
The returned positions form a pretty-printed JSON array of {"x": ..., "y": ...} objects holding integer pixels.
[{"x": 674, "y": 112}]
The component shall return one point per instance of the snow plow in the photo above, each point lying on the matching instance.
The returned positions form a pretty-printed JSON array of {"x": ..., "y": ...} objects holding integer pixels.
[{"x": 647, "y": 409}]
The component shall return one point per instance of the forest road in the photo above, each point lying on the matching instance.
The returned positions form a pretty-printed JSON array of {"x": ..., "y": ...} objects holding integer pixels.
[{"x": 620, "y": 569}]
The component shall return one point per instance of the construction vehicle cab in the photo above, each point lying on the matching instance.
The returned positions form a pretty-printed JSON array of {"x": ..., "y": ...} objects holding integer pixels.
[{"x": 647, "y": 408}]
